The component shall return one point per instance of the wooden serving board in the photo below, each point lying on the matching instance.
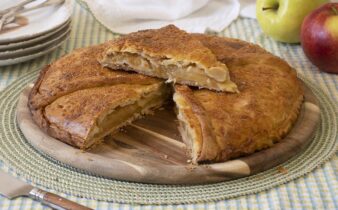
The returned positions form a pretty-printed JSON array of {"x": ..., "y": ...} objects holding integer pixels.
[{"x": 151, "y": 150}]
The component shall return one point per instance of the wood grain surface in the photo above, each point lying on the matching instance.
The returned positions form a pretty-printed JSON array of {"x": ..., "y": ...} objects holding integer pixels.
[{"x": 151, "y": 150}]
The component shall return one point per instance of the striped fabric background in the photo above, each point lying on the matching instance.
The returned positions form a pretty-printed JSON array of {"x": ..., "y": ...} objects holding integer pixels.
[{"x": 317, "y": 190}]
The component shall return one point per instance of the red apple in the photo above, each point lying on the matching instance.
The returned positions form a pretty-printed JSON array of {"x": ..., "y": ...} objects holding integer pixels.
[{"x": 319, "y": 37}]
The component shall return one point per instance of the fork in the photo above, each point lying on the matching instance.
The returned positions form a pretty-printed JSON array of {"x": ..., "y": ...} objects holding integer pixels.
[
  {"x": 20, "y": 5},
  {"x": 12, "y": 12}
]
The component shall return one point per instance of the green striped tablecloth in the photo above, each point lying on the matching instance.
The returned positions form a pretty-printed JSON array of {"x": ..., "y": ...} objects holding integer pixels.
[{"x": 317, "y": 190}]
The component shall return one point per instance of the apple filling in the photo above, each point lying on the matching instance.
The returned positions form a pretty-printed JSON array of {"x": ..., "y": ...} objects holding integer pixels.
[
  {"x": 122, "y": 115},
  {"x": 177, "y": 71},
  {"x": 188, "y": 133}
]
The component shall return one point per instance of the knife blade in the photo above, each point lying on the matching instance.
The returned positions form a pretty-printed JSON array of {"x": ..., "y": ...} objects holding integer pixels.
[{"x": 11, "y": 188}]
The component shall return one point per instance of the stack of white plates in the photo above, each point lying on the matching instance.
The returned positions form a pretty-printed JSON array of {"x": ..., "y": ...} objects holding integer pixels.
[{"x": 34, "y": 33}]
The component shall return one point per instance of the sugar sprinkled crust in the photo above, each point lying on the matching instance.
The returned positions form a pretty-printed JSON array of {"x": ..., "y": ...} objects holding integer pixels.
[
  {"x": 231, "y": 125},
  {"x": 225, "y": 125},
  {"x": 169, "y": 53},
  {"x": 77, "y": 74},
  {"x": 75, "y": 71}
]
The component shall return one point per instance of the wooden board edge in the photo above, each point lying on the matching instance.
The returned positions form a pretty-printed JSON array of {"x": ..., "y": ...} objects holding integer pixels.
[{"x": 180, "y": 175}]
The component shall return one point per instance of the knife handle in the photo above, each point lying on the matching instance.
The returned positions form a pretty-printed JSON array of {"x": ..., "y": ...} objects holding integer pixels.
[{"x": 54, "y": 201}]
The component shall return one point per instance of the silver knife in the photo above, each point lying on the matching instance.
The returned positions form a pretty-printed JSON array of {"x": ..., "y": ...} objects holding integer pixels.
[{"x": 11, "y": 188}]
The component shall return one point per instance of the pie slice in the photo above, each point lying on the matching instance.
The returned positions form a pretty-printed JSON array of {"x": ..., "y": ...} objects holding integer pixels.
[
  {"x": 217, "y": 126},
  {"x": 78, "y": 101},
  {"x": 79, "y": 70},
  {"x": 89, "y": 115},
  {"x": 169, "y": 53}
]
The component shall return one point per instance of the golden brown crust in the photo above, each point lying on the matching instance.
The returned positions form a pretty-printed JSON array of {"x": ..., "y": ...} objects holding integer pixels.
[
  {"x": 77, "y": 113},
  {"x": 227, "y": 125},
  {"x": 163, "y": 42},
  {"x": 169, "y": 53},
  {"x": 226, "y": 48},
  {"x": 74, "y": 72},
  {"x": 260, "y": 115}
]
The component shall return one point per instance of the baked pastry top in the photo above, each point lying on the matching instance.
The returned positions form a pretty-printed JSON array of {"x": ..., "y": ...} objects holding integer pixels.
[
  {"x": 169, "y": 53},
  {"x": 91, "y": 114},
  {"x": 219, "y": 126},
  {"x": 78, "y": 101},
  {"x": 79, "y": 70}
]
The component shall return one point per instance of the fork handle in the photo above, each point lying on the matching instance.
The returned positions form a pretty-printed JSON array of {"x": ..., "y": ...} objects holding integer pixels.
[
  {"x": 15, "y": 7},
  {"x": 44, "y": 4},
  {"x": 54, "y": 201}
]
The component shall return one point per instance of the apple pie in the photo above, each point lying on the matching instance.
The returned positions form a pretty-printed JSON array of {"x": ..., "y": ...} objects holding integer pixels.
[
  {"x": 78, "y": 101},
  {"x": 217, "y": 126},
  {"x": 171, "y": 54}
]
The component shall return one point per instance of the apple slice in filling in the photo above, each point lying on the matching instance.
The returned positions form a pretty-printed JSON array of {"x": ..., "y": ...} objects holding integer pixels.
[{"x": 171, "y": 54}]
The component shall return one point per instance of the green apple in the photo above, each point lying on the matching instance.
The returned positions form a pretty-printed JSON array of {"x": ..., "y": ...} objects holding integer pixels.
[{"x": 282, "y": 19}]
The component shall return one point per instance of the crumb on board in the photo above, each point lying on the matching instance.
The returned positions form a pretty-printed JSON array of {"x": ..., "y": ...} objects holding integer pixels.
[
  {"x": 188, "y": 161},
  {"x": 80, "y": 152},
  {"x": 282, "y": 170},
  {"x": 166, "y": 156},
  {"x": 190, "y": 167}
]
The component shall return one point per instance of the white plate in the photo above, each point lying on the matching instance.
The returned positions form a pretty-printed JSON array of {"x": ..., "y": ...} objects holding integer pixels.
[
  {"x": 40, "y": 21},
  {"x": 35, "y": 48},
  {"x": 36, "y": 40},
  {"x": 32, "y": 56}
]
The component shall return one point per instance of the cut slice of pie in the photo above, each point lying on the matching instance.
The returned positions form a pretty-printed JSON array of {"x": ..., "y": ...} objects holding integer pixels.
[
  {"x": 89, "y": 115},
  {"x": 218, "y": 126},
  {"x": 79, "y": 70},
  {"x": 78, "y": 101},
  {"x": 169, "y": 53}
]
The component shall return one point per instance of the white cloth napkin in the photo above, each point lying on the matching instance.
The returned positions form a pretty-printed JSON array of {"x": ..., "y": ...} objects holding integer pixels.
[
  {"x": 125, "y": 16},
  {"x": 248, "y": 8}
]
